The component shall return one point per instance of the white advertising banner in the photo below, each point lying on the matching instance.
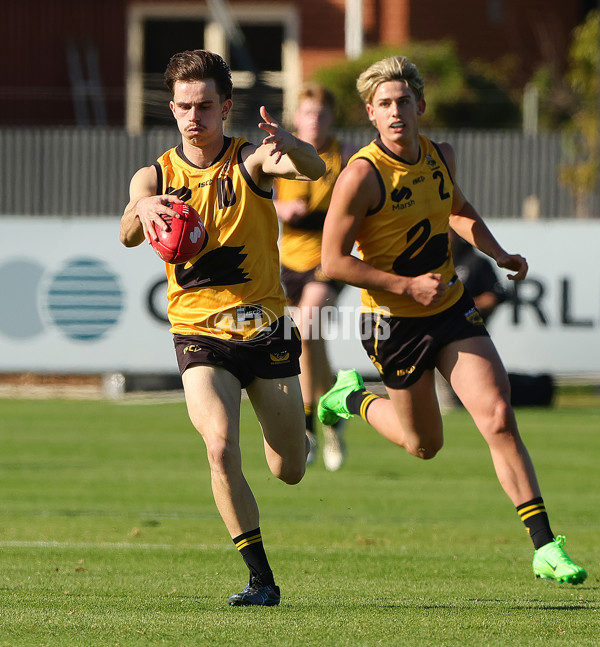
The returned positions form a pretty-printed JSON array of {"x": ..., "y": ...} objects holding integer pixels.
[{"x": 75, "y": 300}]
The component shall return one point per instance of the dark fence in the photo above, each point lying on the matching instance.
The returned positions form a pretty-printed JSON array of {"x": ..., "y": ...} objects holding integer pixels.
[{"x": 86, "y": 172}]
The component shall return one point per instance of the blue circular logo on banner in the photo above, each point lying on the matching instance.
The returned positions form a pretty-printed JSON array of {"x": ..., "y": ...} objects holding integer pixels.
[{"x": 84, "y": 299}]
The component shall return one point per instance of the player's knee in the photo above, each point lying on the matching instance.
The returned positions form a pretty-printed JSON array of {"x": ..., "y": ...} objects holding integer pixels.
[
  {"x": 502, "y": 418},
  {"x": 293, "y": 477},
  {"x": 223, "y": 456},
  {"x": 290, "y": 472},
  {"x": 428, "y": 450},
  {"x": 293, "y": 474}
]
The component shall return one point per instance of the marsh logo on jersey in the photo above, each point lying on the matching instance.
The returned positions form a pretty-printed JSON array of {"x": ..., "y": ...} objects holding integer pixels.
[
  {"x": 402, "y": 198},
  {"x": 404, "y": 193}
]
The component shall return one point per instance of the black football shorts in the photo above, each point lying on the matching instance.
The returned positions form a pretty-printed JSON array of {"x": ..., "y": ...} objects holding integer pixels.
[{"x": 402, "y": 348}]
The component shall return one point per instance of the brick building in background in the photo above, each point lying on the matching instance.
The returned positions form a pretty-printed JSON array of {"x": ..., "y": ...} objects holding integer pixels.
[{"x": 69, "y": 62}]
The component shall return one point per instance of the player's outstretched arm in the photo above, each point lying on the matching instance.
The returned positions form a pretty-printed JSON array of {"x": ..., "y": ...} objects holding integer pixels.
[
  {"x": 468, "y": 224},
  {"x": 144, "y": 208},
  {"x": 282, "y": 154},
  {"x": 515, "y": 263}
]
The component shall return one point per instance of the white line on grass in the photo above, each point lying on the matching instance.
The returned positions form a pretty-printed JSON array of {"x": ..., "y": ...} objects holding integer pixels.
[
  {"x": 108, "y": 545},
  {"x": 118, "y": 545}
]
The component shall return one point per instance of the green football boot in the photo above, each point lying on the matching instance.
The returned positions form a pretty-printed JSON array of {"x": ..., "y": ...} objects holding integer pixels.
[
  {"x": 332, "y": 405},
  {"x": 550, "y": 562}
]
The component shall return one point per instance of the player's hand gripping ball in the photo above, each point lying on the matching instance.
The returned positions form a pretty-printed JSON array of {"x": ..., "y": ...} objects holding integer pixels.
[{"x": 184, "y": 237}]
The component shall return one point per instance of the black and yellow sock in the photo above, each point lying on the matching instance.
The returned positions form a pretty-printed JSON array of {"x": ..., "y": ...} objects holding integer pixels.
[
  {"x": 252, "y": 550},
  {"x": 533, "y": 515},
  {"x": 358, "y": 402},
  {"x": 309, "y": 417}
]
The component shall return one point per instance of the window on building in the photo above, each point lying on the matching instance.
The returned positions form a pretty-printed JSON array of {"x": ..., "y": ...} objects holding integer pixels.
[
  {"x": 162, "y": 39},
  {"x": 261, "y": 56},
  {"x": 265, "y": 64}
]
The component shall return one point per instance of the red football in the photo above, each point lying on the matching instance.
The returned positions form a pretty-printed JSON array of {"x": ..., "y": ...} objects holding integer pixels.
[{"x": 183, "y": 238}]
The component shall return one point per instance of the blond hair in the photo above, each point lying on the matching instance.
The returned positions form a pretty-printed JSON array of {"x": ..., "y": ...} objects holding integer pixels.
[{"x": 394, "y": 68}]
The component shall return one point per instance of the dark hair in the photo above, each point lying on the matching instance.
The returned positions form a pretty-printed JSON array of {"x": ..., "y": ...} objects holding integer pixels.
[{"x": 198, "y": 64}]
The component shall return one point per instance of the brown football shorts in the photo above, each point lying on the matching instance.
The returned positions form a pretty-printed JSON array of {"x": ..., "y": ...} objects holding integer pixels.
[
  {"x": 293, "y": 282},
  {"x": 268, "y": 356}
]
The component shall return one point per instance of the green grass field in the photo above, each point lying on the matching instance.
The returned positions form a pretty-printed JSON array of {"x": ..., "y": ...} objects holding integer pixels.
[{"x": 109, "y": 536}]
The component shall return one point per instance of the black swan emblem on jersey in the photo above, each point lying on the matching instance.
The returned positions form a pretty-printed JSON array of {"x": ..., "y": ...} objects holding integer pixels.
[
  {"x": 422, "y": 254},
  {"x": 184, "y": 193},
  {"x": 221, "y": 266}
]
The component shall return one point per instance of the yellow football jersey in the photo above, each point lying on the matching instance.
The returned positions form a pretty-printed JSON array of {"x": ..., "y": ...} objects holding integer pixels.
[
  {"x": 300, "y": 245},
  {"x": 407, "y": 233},
  {"x": 231, "y": 289}
]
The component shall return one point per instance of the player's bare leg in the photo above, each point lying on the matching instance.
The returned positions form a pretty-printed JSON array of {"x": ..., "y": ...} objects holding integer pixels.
[
  {"x": 213, "y": 400},
  {"x": 213, "y": 396},
  {"x": 279, "y": 409},
  {"x": 479, "y": 379},
  {"x": 418, "y": 420},
  {"x": 278, "y": 406},
  {"x": 316, "y": 374},
  {"x": 410, "y": 417},
  {"x": 306, "y": 379}
]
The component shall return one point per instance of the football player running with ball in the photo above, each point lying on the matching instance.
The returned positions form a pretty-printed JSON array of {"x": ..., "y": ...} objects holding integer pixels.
[
  {"x": 226, "y": 306},
  {"x": 396, "y": 200}
]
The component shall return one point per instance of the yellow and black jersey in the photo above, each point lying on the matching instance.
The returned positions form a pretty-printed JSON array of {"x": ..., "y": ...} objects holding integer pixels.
[
  {"x": 407, "y": 233},
  {"x": 300, "y": 245},
  {"x": 231, "y": 289}
]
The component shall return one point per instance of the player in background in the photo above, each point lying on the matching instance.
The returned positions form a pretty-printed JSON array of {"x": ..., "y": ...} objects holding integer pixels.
[
  {"x": 397, "y": 198},
  {"x": 301, "y": 207},
  {"x": 226, "y": 306},
  {"x": 477, "y": 274}
]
